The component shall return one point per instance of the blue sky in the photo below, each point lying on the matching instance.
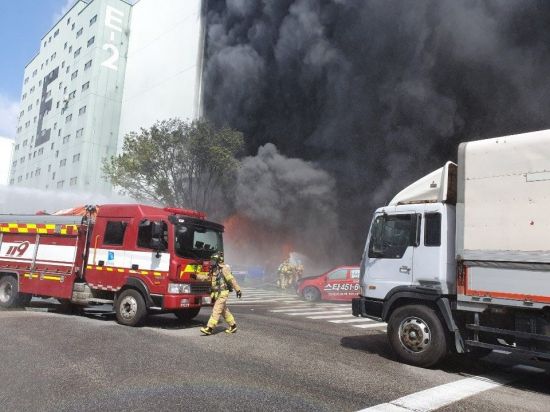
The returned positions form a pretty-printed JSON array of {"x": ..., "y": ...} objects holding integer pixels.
[{"x": 22, "y": 25}]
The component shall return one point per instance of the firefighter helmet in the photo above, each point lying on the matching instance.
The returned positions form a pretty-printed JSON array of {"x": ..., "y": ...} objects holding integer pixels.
[{"x": 217, "y": 258}]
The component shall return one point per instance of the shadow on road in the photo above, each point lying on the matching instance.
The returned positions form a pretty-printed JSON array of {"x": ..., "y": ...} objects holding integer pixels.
[
  {"x": 105, "y": 313},
  {"x": 529, "y": 375}
]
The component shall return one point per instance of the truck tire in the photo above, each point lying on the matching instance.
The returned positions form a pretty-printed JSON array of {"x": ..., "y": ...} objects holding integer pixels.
[
  {"x": 187, "y": 314},
  {"x": 311, "y": 294},
  {"x": 130, "y": 308},
  {"x": 9, "y": 293},
  {"x": 417, "y": 335}
]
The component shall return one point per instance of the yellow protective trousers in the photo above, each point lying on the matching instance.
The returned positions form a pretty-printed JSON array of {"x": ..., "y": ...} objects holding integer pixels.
[{"x": 220, "y": 309}]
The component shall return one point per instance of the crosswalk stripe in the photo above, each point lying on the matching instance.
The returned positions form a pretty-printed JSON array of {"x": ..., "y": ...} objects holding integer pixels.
[
  {"x": 331, "y": 316},
  {"x": 326, "y": 312},
  {"x": 355, "y": 320},
  {"x": 370, "y": 325},
  {"x": 298, "y": 309}
]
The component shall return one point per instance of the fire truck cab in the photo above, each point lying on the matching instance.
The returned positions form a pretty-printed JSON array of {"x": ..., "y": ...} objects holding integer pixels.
[{"x": 137, "y": 258}]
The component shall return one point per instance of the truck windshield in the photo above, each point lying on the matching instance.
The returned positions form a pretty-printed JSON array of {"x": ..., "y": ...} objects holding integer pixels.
[
  {"x": 193, "y": 241},
  {"x": 390, "y": 236}
]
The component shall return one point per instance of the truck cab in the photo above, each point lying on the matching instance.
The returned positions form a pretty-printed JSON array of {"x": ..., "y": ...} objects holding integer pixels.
[{"x": 409, "y": 248}]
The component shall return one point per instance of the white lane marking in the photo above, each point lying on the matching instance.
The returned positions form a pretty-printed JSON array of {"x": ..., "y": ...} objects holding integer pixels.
[
  {"x": 370, "y": 325},
  {"x": 296, "y": 309},
  {"x": 354, "y": 320},
  {"x": 442, "y": 395},
  {"x": 331, "y": 316},
  {"x": 325, "y": 312}
]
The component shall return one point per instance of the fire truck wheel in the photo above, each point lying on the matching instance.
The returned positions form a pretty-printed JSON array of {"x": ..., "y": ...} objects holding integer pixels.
[
  {"x": 130, "y": 308},
  {"x": 9, "y": 295},
  {"x": 417, "y": 335},
  {"x": 187, "y": 314},
  {"x": 311, "y": 294}
]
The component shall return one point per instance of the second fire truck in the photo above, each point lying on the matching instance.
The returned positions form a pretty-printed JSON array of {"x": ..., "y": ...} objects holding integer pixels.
[{"x": 137, "y": 258}]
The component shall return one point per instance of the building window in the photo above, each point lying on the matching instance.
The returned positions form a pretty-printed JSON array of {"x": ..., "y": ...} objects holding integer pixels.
[
  {"x": 93, "y": 20},
  {"x": 62, "y": 162},
  {"x": 49, "y": 168},
  {"x": 65, "y": 46},
  {"x": 22, "y": 160},
  {"x": 73, "y": 76},
  {"x": 68, "y": 21},
  {"x": 35, "y": 72},
  {"x": 79, "y": 133},
  {"x": 86, "y": 86},
  {"x": 70, "y": 49},
  {"x": 82, "y": 110},
  {"x": 72, "y": 26},
  {"x": 29, "y": 108},
  {"x": 55, "y": 124},
  {"x": 77, "y": 52},
  {"x": 26, "y": 80},
  {"x": 53, "y": 176},
  {"x": 37, "y": 173},
  {"x": 66, "y": 139},
  {"x": 91, "y": 41},
  {"x": 60, "y": 184},
  {"x": 72, "y": 95},
  {"x": 59, "y": 133},
  {"x": 68, "y": 118},
  {"x": 79, "y": 33},
  {"x": 54, "y": 56},
  {"x": 56, "y": 33},
  {"x": 63, "y": 64},
  {"x": 72, "y": 181},
  {"x": 88, "y": 65},
  {"x": 40, "y": 151},
  {"x": 24, "y": 142},
  {"x": 76, "y": 158},
  {"x": 32, "y": 89}
]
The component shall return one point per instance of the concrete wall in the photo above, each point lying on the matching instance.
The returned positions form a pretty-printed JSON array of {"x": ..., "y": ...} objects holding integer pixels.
[{"x": 164, "y": 63}]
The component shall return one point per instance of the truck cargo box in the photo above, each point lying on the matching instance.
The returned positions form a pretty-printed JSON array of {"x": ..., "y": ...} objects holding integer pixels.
[{"x": 503, "y": 207}]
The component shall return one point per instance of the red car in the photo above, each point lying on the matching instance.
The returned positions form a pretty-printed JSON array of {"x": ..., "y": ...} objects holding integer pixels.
[{"x": 341, "y": 283}]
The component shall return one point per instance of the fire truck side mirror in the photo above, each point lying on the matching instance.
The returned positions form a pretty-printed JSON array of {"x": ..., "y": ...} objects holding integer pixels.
[{"x": 157, "y": 230}]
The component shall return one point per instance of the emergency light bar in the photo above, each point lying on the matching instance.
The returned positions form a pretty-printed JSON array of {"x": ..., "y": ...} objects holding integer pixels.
[{"x": 186, "y": 212}]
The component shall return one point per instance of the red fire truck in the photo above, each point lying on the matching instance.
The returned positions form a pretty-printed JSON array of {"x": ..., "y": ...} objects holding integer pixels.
[{"x": 137, "y": 258}]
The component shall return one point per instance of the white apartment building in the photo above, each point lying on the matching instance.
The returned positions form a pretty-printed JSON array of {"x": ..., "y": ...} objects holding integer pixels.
[{"x": 104, "y": 69}]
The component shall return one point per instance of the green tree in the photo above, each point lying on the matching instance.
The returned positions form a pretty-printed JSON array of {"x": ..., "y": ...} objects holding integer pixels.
[{"x": 176, "y": 162}]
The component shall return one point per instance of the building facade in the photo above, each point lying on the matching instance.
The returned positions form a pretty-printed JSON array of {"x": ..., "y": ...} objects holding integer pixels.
[{"x": 106, "y": 68}]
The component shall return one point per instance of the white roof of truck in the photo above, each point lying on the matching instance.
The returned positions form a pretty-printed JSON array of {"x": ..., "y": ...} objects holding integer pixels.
[{"x": 432, "y": 188}]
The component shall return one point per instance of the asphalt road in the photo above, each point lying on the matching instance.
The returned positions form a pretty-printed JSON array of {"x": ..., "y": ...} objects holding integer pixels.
[{"x": 280, "y": 360}]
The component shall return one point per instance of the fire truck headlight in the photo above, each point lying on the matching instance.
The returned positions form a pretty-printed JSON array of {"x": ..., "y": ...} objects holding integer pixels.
[{"x": 179, "y": 288}]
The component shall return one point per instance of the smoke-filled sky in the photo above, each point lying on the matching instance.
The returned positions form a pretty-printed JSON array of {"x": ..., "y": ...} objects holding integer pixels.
[{"x": 376, "y": 93}]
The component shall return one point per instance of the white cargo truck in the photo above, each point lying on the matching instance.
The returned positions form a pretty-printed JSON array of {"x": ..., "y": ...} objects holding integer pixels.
[{"x": 460, "y": 260}]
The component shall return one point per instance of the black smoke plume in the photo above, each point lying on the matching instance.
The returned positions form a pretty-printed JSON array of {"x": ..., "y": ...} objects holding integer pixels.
[{"x": 376, "y": 92}]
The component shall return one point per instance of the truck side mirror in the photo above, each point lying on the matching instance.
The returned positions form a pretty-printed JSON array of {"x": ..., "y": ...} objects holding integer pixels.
[
  {"x": 417, "y": 221},
  {"x": 157, "y": 229},
  {"x": 157, "y": 233}
]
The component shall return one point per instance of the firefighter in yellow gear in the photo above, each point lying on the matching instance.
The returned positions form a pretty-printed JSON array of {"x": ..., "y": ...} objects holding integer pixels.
[
  {"x": 285, "y": 274},
  {"x": 223, "y": 282}
]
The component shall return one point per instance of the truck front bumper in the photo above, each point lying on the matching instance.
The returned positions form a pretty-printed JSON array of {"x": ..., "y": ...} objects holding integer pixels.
[
  {"x": 174, "y": 302},
  {"x": 367, "y": 308}
]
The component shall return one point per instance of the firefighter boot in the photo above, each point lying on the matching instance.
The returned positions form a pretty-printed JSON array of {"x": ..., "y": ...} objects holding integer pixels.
[
  {"x": 206, "y": 330},
  {"x": 231, "y": 328}
]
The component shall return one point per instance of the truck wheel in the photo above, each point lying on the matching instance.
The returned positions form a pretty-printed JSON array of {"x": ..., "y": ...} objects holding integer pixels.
[
  {"x": 187, "y": 314},
  {"x": 130, "y": 308},
  {"x": 9, "y": 293},
  {"x": 417, "y": 336},
  {"x": 311, "y": 294}
]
